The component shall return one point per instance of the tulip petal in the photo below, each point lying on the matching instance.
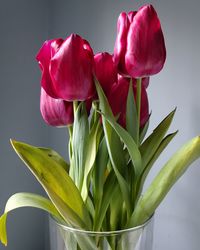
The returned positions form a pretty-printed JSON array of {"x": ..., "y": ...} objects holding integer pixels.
[
  {"x": 43, "y": 57},
  {"x": 71, "y": 70},
  {"x": 55, "y": 112},
  {"x": 131, "y": 15},
  {"x": 120, "y": 43}
]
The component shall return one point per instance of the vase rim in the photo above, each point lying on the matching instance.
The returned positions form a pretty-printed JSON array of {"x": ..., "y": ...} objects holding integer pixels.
[{"x": 103, "y": 233}]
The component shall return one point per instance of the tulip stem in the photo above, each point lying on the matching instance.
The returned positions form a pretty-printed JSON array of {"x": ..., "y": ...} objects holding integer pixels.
[
  {"x": 138, "y": 104},
  {"x": 75, "y": 106},
  {"x": 70, "y": 130}
]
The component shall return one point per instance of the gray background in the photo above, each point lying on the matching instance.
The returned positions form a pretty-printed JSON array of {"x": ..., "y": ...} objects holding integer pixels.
[{"x": 24, "y": 25}]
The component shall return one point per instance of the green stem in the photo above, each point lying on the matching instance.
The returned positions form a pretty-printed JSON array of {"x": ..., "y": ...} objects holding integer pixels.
[
  {"x": 70, "y": 130},
  {"x": 74, "y": 171},
  {"x": 138, "y": 104},
  {"x": 70, "y": 152},
  {"x": 75, "y": 106}
]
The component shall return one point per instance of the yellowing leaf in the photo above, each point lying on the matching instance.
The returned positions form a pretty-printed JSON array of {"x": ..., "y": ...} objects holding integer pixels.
[
  {"x": 56, "y": 182},
  {"x": 26, "y": 200}
]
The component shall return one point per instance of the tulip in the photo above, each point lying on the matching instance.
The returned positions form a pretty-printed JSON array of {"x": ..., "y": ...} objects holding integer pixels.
[
  {"x": 117, "y": 99},
  {"x": 139, "y": 48},
  {"x": 67, "y": 68},
  {"x": 105, "y": 70},
  {"x": 55, "y": 112}
]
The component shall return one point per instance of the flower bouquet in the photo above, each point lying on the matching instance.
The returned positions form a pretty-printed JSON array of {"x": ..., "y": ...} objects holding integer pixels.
[{"x": 102, "y": 100}]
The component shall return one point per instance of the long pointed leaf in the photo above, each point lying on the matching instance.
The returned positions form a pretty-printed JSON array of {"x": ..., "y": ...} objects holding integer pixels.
[
  {"x": 115, "y": 150},
  {"x": 110, "y": 189},
  {"x": 145, "y": 172},
  {"x": 92, "y": 147},
  {"x": 131, "y": 114},
  {"x": 128, "y": 141},
  {"x": 144, "y": 130},
  {"x": 123, "y": 134},
  {"x": 99, "y": 172},
  {"x": 79, "y": 143},
  {"x": 150, "y": 145},
  {"x": 163, "y": 182},
  {"x": 56, "y": 182},
  {"x": 116, "y": 154},
  {"x": 158, "y": 152}
]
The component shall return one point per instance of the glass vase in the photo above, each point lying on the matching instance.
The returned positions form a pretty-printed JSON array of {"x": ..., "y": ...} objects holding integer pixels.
[{"x": 67, "y": 238}]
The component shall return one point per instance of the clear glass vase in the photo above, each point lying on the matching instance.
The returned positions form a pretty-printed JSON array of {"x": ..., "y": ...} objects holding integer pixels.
[{"x": 66, "y": 238}]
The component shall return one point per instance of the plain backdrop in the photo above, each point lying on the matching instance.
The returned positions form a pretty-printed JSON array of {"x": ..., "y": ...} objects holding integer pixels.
[{"x": 24, "y": 26}]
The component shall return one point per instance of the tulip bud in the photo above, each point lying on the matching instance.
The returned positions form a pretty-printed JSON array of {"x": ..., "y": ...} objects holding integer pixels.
[
  {"x": 117, "y": 99},
  {"x": 71, "y": 70},
  {"x": 139, "y": 47},
  {"x": 67, "y": 68},
  {"x": 105, "y": 70}
]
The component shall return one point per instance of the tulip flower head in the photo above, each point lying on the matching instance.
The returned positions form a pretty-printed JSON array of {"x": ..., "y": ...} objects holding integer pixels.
[
  {"x": 67, "y": 68},
  {"x": 139, "y": 48}
]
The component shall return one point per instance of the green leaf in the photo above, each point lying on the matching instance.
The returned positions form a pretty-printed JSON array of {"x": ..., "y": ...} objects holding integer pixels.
[
  {"x": 144, "y": 130},
  {"x": 56, "y": 182},
  {"x": 158, "y": 152},
  {"x": 92, "y": 147},
  {"x": 110, "y": 188},
  {"x": 129, "y": 142},
  {"x": 123, "y": 134},
  {"x": 70, "y": 132},
  {"x": 116, "y": 210},
  {"x": 95, "y": 115},
  {"x": 99, "y": 172},
  {"x": 115, "y": 148},
  {"x": 56, "y": 157},
  {"x": 150, "y": 145},
  {"x": 163, "y": 182},
  {"x": 138, "y": 105},
  {"x": 90, "y": 205},
  {"x": 117, "y": 158},
  {"x": 131, "y": 114},
  {"x": 26, "y": 200},
  {"x": 79, "y": 143}
]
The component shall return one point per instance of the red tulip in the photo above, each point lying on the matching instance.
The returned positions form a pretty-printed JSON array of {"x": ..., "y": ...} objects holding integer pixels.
[
  {"x": 117, "y": 99},
  {"x": 67, "y": 68},
  {"x": 139, "y": 47},
  {"x": 105, "y": 70},
  {"x": 55, "y": 112}
]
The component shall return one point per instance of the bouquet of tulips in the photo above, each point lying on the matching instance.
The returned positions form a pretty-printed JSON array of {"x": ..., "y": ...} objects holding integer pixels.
[{"x": 102, "y": 100}]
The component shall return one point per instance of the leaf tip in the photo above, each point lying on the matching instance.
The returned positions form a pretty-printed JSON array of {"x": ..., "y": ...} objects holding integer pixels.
[
  {"x": 13, "y": 143},
  {"x": 174, "y": 110}
]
